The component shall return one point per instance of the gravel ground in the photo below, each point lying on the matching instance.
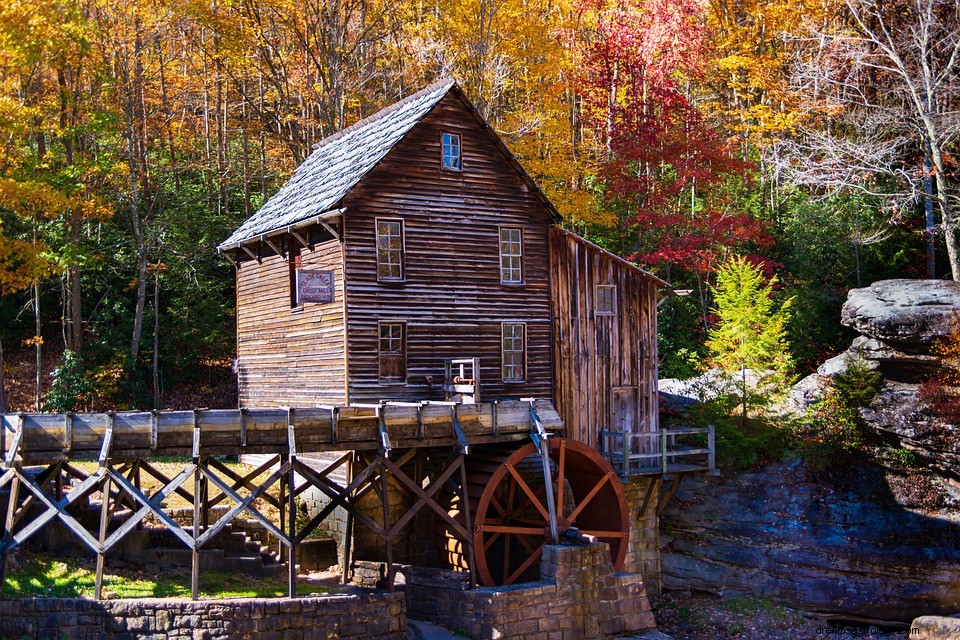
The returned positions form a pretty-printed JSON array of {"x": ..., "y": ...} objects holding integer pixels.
[{"x": 704, "y": 617}]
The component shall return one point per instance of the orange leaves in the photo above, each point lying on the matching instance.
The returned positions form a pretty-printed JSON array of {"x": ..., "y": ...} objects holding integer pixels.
[{"x": 21, "y": 263}]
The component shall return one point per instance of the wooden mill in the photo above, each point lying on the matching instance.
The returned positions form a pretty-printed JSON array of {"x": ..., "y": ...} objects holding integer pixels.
[{"x": 411, "y": 320}]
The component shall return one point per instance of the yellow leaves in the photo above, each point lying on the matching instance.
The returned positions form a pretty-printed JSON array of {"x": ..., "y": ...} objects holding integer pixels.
[
  {"x": 33, "y": 341},
  {"x": 21, "y": 264}
]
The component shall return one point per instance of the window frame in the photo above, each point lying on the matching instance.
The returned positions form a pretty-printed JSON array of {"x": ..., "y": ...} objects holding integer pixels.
[
  {"x": 612, "y": 311},
  {"x": 519, "y": 256},
  {"x": 390, "y": 380},
  {"x": 503, "y": 352},
  {"x": 403, "y": 250},
  {"x": 443, "y": 154}
]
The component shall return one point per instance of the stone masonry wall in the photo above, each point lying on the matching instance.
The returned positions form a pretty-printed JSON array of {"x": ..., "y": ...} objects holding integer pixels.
[
  {"x": 579, "y": 597},
  {"x": 643, "y": 553},
  {"x": 370, "y": 616}
]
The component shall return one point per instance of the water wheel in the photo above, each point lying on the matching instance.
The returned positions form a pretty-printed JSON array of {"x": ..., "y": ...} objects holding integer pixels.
[{"x": 509, "y": 508}]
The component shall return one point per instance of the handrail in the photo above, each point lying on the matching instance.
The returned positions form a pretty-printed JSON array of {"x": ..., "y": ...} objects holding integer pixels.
[{"x": 641, "y": 453}]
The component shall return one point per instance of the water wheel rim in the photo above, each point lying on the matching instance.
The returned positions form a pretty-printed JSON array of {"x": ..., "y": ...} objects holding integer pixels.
[{"x": 599, "y": 491}]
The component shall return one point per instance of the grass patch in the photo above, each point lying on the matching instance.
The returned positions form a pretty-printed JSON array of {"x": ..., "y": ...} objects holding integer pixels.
[{"x": 41, "y": 575}]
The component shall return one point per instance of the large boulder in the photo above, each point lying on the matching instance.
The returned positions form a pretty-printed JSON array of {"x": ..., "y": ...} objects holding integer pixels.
[
  {"x": 909, "y": 314},
  {"x": 849, "y": 550}
]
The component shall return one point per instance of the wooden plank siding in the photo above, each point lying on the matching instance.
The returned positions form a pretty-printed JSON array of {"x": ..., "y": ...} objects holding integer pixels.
[
  {"x": 451, "y": 299},
  {"x": 289, "y": 357},
  {"x": 605, "y": 365}
]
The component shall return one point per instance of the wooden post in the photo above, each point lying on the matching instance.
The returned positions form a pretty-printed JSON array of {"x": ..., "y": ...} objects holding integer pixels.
[
  {"x": 8, "y": 525},
  {"x": 712, "y": 447},
  {"x": 385, "y": 501},
  {"x": 292, "y": 504},
  {"x": 663, "y": 450},
  {"x": 197, "y": 477},
  {"x": 281, "y": 550},
  {"x": 465, "y": 503},
  {"x": 104, "y": 526},
  {"x": 348, "y": 528}
]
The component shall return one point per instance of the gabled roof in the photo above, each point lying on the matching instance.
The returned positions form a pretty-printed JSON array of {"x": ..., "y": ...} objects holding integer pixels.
[
  {"x": 337, "y": 164},
  {"x": 342, "y": 160}
]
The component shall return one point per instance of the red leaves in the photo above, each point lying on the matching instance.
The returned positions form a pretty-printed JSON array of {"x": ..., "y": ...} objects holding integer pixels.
[{"x": 665, "y": 165}]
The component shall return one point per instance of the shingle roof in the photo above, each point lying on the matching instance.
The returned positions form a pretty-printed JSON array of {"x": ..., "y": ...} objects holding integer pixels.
[{"x": 337, "y": 164}]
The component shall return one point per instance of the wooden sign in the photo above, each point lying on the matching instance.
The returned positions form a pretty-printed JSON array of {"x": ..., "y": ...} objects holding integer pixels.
[{"x": 314, "y": 286}]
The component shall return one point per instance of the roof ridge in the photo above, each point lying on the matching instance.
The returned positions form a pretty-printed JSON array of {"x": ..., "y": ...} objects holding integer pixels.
[{"x": 396, "y": 106}]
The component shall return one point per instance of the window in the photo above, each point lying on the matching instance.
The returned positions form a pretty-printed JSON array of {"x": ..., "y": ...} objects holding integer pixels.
[
  {"x": 293, "y": 261},
  {"x": 451, "y": 151},
  {"x": 511, "y": 255},
  {"x": 393, "y": 352},
  {"x": 389, "y": 249},
  {"x": 514, "y": 352},
  {"x": 606, "y": 300}
]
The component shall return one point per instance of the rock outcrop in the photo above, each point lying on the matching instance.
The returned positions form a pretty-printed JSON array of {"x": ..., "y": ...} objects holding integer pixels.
[
  {"x": 901, "y": 321},
  {"x": 851, "y": 552}
]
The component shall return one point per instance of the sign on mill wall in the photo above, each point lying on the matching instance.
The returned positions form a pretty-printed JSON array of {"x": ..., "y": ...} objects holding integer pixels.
[{"x": 314, "y": 286}]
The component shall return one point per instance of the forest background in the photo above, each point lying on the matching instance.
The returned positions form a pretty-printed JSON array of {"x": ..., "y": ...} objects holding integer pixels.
[{"x": 815, "y": 137}]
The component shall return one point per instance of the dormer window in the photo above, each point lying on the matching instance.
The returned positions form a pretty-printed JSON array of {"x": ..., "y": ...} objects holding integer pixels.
[{"x": 451, "y": 151}]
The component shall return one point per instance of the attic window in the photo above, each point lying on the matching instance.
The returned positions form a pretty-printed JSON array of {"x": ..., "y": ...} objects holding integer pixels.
[
  {"x": 606, "y": 299},
  {"x": 389, "y": 249},
  {"x": 451, "y": 151}
]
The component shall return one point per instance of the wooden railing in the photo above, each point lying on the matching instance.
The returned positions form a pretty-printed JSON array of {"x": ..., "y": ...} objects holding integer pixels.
[{"x": 667, "y": 451}]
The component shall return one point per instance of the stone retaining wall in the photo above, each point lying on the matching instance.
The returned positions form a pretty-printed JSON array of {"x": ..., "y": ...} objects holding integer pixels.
[
  {"x": 643, "y": 552},
  {"x": 358, "y": 616},
  {"x": 579, "y": 597}
]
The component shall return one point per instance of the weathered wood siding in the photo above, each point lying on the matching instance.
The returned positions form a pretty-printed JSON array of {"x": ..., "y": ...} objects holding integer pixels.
[
  {"x": 452, "y": 300},
  {"x": 289, "y": 357},
  {"x": 605, "y": 365}
]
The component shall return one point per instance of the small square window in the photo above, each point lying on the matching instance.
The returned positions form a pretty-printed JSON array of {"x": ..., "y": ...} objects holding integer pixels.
[
  {"x": 451, "y": 151},
  {"x": 511, "y": 255},
  {"x": 514, "y": 351},
  {"x": 606, "y": 300}
]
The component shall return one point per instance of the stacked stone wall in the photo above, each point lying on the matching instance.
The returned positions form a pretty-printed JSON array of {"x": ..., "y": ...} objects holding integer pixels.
[
  {"x": 579, "y": 597},
  {"x": 373, "y": 616},
  {"x": 643, "y": 553}
]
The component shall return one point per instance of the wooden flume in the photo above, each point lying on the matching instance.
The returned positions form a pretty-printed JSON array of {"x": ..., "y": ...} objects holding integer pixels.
[{"x": 377, "y": 442}]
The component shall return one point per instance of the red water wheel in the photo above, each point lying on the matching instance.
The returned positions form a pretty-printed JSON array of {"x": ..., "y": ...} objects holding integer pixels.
[{"x": 510, "y": 514}]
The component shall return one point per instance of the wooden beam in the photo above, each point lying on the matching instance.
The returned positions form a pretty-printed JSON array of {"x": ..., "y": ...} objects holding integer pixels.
[{"x": 669, "y": 494}]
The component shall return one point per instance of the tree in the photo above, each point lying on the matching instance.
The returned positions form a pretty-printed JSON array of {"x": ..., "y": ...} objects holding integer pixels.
[
  {"x": 750, "y": 331},
  {"x": 885, "y": 90}
]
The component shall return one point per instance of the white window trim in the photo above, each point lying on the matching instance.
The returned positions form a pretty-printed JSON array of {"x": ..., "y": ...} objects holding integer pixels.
[
  {"x": 502, "y": 255},
  {"x": 443, "y": 165},
  {"x": 403, "y": 249}
]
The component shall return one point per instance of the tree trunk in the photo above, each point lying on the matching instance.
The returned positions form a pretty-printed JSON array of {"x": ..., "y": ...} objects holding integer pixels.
[
  {"x": 3, "y": 389},
  {"x": 38, "y": 342},
  {"x": 156, "y": 339}
]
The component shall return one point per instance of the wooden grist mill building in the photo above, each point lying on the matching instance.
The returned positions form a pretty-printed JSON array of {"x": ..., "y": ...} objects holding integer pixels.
[{"x": 462, "y": 382}]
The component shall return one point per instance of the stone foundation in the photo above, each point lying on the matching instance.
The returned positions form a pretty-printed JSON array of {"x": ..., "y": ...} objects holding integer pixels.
[
  {"x": 366, "y": 616},
  {"x": 643, "y": 553},
  {"x": 579, "y": 597}
]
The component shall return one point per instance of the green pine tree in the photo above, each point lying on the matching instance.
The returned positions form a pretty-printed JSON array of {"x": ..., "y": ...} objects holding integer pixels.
[{"x": 751, "y": 331}]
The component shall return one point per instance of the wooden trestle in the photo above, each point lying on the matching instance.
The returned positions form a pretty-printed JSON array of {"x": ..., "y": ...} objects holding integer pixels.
[{"x": 377, "y": 442}]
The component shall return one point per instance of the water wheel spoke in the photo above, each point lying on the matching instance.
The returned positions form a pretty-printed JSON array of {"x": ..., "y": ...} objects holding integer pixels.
[
  {"x": 489, "y": 542},
  {"x": 530, "y": 494},
  {"x": 526, "y": 565},
  {"x": 526, "y": 545},
  {"x": 496, "y": 505},
  {"x": 517, "y": 531},
  {"x": 606, "y": 534},
  {"x": 590, "y": 496}
]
